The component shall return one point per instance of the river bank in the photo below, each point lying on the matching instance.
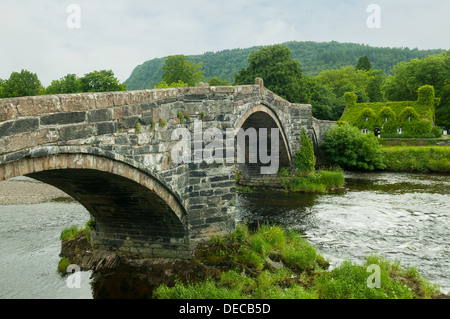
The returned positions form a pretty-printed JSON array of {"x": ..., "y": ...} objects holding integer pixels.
[
  {"x": 24, "y": 190},
  {"x": 270, "y": 263},
  {"x": 404, "y": 218}
]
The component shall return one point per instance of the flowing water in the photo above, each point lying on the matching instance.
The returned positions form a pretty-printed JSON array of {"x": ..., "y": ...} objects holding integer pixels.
[
  {"x": 400, "y": 217},
  {"x": 403, "y": 217}
]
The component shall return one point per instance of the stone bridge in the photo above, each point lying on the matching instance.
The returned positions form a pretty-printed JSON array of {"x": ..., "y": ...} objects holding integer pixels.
[{"x": 112, "y": 152}]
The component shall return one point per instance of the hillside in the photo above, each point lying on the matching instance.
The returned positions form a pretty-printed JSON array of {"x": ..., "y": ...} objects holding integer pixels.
[{"x": 314, "y": 57}]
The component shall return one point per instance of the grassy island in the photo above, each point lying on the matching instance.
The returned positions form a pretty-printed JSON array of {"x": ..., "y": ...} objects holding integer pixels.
[{"x": 273, "y": 263}]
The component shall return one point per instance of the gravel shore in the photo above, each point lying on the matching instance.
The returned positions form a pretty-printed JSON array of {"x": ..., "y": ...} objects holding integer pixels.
[{"x": 27, "y": 191}]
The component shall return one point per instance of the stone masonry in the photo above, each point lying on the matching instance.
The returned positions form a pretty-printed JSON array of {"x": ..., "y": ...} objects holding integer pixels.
[{"x": 112, "y": 152}]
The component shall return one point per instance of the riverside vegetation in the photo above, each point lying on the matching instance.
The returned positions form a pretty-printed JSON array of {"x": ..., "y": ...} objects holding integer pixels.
[
  {"x": 275, "y": 263},
  {"x": 350, "y": 149}
]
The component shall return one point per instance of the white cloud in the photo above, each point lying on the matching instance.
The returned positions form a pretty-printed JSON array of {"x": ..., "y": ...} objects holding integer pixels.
[{"x": 121, "y": 34}]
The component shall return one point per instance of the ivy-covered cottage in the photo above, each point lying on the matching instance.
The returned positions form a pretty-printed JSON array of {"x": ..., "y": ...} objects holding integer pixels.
[{"x": 405, "y": 118}]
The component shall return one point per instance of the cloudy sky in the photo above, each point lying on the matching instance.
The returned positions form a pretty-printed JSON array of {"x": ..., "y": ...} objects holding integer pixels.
[{"x": 39, "y": 35}]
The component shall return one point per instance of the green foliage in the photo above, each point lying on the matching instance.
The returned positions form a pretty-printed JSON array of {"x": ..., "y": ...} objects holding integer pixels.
[
  {"x": 69, "y": 233},
  {"x": 280, "y": 73},
  {"x": 177, "y": 69},
  {"x": 417, "y": 158},
  {"x": 318, "y": 182},
  {"x": 314, "y": 57},
  {"x": 443, "y": 108},
  {"x": 350, "y": 281},
  {"x": 387, "y": 121},
  {"x": 215, "y": 81},
  {"x": 410, "y": 76},
  {"x": 426, "y": 95},
  {"x": 302, "y": 272},
  {"x": 305, "y": 160},
  {"x": 62, "y": 265},
  {"x": 138, "y": 128},
  {"x": 350, "y": 99},
  {"x": 346, "y": 146},
  {"x": 66, "y": 85},
  {"x": 100, "y": 81},
  {"x": 364, "y": 64},
  {"x": 162, "y": 122},
  {"x": 414, "y": 117},
  {"x": 366, "y": 119},
  {"x": 23, "y": 83},
  {"x": 164, "y": 85}
]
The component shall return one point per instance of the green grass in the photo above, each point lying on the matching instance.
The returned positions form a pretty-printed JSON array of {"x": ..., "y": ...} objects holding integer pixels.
[
  {"x": 247, "y": 274},
  {"x": 317, "y": 182},
  {"x": 349, "y": 281},
  {"x": 70, "y": 233},
  {"x": 417, "y": 158}
]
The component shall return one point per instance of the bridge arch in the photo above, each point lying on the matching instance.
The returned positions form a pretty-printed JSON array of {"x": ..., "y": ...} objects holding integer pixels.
[
  {"x": 135, "y": 213},
  {"x": 262, "y": 116}
]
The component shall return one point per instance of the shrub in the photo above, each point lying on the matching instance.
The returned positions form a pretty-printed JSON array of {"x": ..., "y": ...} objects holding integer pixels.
[
  {"x": 305, "y": 160},
  {"x": 347, "y": 147}
]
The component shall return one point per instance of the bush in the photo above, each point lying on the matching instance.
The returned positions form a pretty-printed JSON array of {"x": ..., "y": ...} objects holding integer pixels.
[
  {"x": 305, "y": 160},
  {"x": 347, "y": 147}
]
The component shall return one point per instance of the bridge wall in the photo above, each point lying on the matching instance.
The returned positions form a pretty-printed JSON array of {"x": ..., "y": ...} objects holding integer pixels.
[{"x": 136, "y": 127}]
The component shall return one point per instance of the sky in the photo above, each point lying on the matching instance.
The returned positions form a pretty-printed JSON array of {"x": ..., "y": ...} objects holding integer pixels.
[{"x": 53, "y": 38}]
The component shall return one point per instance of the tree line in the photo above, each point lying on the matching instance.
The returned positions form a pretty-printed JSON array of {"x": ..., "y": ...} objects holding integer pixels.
[
  {"x": 326, "y": 92},
  {"x": 26, "y": 83},
  {"x": 283, "y": 75},
  {"x": 314, "y": 57}
]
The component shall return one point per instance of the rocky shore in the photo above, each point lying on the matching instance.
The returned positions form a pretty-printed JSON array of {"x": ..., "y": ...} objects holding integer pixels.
[{"x": 27, "y": 191}]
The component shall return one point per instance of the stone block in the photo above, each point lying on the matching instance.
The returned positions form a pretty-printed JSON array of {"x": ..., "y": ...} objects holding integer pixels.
[
  {"x": 102, "y": 115},
  {"x": 63, "y": 118},
  {"x": 77, "y": 102},
  {"x": 7, "y": 109},
  {"x": 35, "y": 105},
  {"x": 73, "y": 132},
  {"x": 18, "y": 126}
]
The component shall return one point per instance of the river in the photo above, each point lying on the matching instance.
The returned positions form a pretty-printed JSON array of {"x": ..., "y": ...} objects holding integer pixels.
[{"x": 404, "y": 217}]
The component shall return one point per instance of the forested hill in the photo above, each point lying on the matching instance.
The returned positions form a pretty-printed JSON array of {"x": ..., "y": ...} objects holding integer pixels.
[{"x": 314, "y": 57}]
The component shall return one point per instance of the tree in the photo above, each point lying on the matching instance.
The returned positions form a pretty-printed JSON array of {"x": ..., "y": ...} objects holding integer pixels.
[
  {"x": 443, "y": 109},
  {"x": 65, "y": 85},
  {"x": 177, "y": 68},
  {"x": 374, "y": 86},
  {"x": 305, "y": 160},
  {"x": 364, "y": 64},
  {"x": 100, "y": 81},
  {"x": 347, "y": 147},
  {"x": 410, "y": 76},
  {"x": 280, "y": 73},
  {"x": 215, "y": 81},
  {"x": 164, "y": 85},
  {"x": 24, "y": 83}
]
